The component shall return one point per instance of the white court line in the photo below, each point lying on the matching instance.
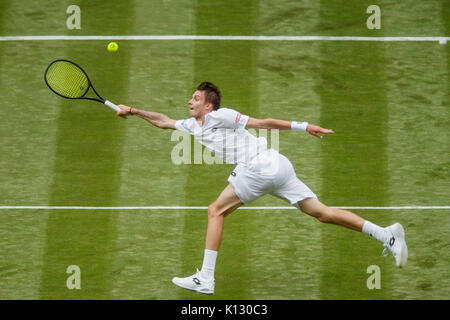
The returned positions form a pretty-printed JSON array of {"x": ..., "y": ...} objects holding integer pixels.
[
  {"x": 441, "y": 40},
  {"x": 205, "y": 208}
]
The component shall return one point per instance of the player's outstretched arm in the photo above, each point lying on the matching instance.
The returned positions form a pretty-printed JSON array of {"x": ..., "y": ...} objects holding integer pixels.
[
  {"x": 157, "y": 119},
  {"x": 316, "y": 130},
  {"x": 287, "y": 125}
]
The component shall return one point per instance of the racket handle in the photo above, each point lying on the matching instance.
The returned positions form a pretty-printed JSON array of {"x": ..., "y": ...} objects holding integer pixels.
[{"x": 112, "y": 105}]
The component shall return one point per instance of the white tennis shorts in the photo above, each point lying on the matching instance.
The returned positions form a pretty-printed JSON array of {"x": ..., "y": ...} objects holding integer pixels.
[{"x": 268, "y": 173}]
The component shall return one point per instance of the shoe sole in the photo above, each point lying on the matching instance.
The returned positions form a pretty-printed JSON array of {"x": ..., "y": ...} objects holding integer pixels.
[
  {"x": 192, "y": 289},
  {"x": 400, "y": 233}
]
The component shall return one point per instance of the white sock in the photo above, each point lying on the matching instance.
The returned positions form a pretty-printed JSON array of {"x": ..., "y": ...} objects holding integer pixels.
[
  {"x": 209, "y": 264},
  {"x": 374, "y": 231}
]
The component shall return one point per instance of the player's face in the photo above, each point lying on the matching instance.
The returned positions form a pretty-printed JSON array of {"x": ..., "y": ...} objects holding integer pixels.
[{"x": 197, "y": 105}]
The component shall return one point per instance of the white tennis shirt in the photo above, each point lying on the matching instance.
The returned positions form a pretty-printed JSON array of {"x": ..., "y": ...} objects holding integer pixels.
[{"x": 224, "y": 134}]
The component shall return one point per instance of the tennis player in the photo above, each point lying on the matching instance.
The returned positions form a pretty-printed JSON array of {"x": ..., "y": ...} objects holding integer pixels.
[{"x": 259, "y": 171}]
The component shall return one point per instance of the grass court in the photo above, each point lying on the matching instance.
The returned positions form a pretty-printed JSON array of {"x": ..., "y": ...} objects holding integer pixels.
[{"x": 388, "y": 103}]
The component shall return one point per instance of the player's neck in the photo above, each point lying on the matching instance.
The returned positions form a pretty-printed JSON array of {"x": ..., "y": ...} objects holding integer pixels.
[{"x": 201, "y": 119}]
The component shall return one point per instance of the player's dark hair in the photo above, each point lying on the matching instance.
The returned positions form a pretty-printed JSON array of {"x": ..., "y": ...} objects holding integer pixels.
[{"x": 212, "y": 93}]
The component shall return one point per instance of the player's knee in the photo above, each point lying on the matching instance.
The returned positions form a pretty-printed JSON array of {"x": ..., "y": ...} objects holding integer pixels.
[
  {"x": 325, "y": 216},
  {"x": 317, "y": 210},
  {"x": 214, "y": 211}
]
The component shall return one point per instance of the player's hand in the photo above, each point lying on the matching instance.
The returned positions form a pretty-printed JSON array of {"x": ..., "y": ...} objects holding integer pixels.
[
  {"x": 124, "y": 111},
  {"x": 316, "y": 130}
]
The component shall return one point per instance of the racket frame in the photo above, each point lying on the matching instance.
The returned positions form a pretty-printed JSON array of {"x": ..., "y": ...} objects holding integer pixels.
[{"x": 90, "y": 85}]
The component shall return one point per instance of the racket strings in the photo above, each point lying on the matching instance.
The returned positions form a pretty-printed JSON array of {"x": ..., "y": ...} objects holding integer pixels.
[{"x": 67, "y": 79}]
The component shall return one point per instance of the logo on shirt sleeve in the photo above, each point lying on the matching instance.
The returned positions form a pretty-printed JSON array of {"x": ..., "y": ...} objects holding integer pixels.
[{"x": 238, "y": 117}]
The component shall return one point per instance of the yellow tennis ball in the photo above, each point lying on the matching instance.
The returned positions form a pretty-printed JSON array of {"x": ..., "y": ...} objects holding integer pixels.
[{"x": 113, "y": 47}]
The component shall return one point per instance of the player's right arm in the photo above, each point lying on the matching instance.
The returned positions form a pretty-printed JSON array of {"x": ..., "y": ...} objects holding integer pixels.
[
  {"x": 157, "y": 119},
  {"x": 287, "y": 125}
]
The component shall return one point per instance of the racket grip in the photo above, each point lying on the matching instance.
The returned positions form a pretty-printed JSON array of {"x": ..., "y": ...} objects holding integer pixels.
[{"x": 112, "y": 105}]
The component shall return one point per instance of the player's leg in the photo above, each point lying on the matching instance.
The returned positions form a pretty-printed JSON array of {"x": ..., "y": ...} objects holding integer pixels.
[
  {"x": 203, "y": 281},
  {"x": 393, "y": 237},
  {"x": 225, "y": 204},
  {"x": 323, "y": 213}
]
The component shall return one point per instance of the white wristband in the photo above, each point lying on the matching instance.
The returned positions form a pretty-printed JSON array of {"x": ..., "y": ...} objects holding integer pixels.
[{"x": 299, "y": 126}]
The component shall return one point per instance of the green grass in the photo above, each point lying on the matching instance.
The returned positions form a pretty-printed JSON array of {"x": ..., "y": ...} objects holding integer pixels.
[{"x": 387, "y": 102}]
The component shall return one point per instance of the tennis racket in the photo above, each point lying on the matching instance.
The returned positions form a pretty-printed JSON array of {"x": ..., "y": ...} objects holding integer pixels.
[{"x": 70, "y": 81}]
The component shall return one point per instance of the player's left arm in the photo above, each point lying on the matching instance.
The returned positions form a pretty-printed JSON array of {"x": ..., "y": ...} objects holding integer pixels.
[
  {"x": 287, "y": 125},
  {"x": 157, "y": 119}
]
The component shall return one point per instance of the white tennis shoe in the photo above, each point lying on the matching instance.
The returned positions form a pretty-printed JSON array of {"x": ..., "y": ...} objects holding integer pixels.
[
  {"x": 195, "y": 283},
  {"x": 396, "y": 244}
]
